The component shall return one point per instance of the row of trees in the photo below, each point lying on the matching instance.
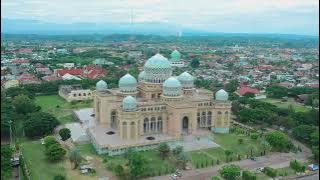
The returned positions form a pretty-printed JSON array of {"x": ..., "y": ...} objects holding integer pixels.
[
  {"x": 304, "y": 125},
  {"x": 53, "y": 149}
]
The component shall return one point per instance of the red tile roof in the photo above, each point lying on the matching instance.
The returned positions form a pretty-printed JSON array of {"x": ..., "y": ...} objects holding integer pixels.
[
  {"x": 75, "y": 72},
  {"x": 246, "y": 89},
  {"x": 19, "y": 61},
  {"x": 51, "y": 78}
]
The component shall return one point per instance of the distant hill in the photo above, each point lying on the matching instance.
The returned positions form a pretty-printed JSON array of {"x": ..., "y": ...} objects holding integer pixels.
[{"x": 21, "y": 26}]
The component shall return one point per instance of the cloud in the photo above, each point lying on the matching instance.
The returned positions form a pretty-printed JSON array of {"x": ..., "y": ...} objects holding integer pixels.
[{"x": 249, "y": 15}]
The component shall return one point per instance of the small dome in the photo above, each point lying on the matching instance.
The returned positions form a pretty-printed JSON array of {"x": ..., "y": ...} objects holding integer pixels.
[
  {"x": 222, "y": 95},
  {"x": 101, "y": 85},
  {"x": 128, "y": 83},
  {"x": 175, "y": 55},
  {"x": 129, "y": 103},
  {"x": 172, "y": 87},
  {"x": 186, "y": 80},
  {"x": 141, "y": 76}
]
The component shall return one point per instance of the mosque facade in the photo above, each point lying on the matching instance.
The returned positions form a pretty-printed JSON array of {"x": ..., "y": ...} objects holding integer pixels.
[{"x": 157, "y": 106}]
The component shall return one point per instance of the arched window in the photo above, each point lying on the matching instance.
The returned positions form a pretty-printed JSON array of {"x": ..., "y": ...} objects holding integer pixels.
[
  {"x": 124, "y": 123},
  {"x": 79, "y": 94},
  {"x": 113, "y": 119},
  {"x": 153, "y": 124},
  {"x": 159, "y": 124},
  {"x": 84, "y": 94},
  {"x": 219, "y": 118},
  {"x": 203, "y": 119},
  {"x": 226, "y": 118},
  {"x": 209, "y": 118},
  {"x": 146, "y": 125},
  {"x": 198, "y": 119},
  {"x": 132, "y": 123},
  {"x": 74, "y": 95}
]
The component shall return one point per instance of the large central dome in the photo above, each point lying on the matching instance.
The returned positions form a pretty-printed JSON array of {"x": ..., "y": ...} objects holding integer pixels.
[{"x": 157, "y": 69}]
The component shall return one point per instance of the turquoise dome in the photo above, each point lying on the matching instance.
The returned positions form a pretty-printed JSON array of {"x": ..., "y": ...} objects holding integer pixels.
[
  {"x": 128, "y": 83},
  {"x": 157, "y": 69},
  {"x": 172, "y": 87},
  {"x": 129, "y": 103},
  {"x": 101, "y": 85},
  {"x": 222, "y": 95},
  {"x": 175, "y": 56},
  {"x": 141, "y": 76},
  {"x": 186, "y": 80}
]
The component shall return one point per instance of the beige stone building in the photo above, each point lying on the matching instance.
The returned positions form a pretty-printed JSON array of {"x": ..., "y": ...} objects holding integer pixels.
[
  {"x": 74, "y": 93},
  {"x": 157, "y": 106}
]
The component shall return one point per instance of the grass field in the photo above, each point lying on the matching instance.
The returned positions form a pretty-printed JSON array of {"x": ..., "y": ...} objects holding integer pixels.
[
  {"x": 60, "y": 108},
  {"x": 296, "y": 106},
  {"x": 227, "y": 142},
  {"x": 38, "y": 165}
]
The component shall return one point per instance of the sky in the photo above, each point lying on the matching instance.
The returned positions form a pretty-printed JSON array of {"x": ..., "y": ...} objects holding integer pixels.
[{"x": 229, "y": 16}]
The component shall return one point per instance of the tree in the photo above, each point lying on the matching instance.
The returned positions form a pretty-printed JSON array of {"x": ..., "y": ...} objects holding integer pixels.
[
  {"x": 119, "y": 170},
  {"x": 6, "y": 169},
  {"x": 55, "y": 152},
  {"x": 249, "y": 95},
  {"x": 248, "y": 175},
  {"x": 277, "y": 91},
  {"x": 240, "y": 141},
  {"x": 270, "y": 172},
  {"x": 303, "y": 132},
  {"x": 195, "y": 63},
  {"x": 59, "y": 177},
  {"x": 297, "y": 166},
  {"x": 39, "y": 124},
  {"x": 75, "y": 157},
  {"x": 227, "y": 153},
  {"x": 23, "y": 104},
  {"x": 164, "y": 150},
  {"x": 251, "y": 149},
  {"x": 215, "y": 178},
  {"x": 137, "y": 165},
  {"x": 232, "y": 86},
  {"x": 65, "y": 133},
  {"x": 279, "y": 141},
  {"x": 178, "y": 150},
  {"x": 230, "y": 172},
  {"x": 183, "y": 160},
  {"x": 254, "y": 136},
  {"x": 266, "y": 146},
  {"x": 50, "y": 140}
]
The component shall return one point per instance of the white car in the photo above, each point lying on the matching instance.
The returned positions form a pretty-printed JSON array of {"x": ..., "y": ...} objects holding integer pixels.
[
  {"x": 174, "y": 176},
  {"x": 260, "y": 169}
]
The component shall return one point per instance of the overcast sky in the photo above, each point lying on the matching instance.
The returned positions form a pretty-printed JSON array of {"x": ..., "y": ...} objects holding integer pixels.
[{"x": 252, "y": 16}]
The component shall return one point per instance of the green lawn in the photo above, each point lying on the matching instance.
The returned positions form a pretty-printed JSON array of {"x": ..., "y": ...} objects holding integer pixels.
[
  {"x": 287, "y": 171},
  {"x": 154, "y": 163},
  {"x": 38, "y": 165},
  {"x": 296, "y": 106},
  {"x": 86, "y": 149},
  {"x": 60, "y": 108},
  {"x": 227, "y": 142}
]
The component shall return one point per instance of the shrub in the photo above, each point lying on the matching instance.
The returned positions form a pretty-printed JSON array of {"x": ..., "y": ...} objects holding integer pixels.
[
  {"x": 59, "y": 177},
  {"x": 297, "y": 166},
  {"x": 215, "y": 178},
  {"x": 270, "y": 172},
  {"x": 248, "y": 175},
  {"x": 55, "y": 152},
  {"x": 240, "y": 141},
  {"x": 254, "y": 136}
]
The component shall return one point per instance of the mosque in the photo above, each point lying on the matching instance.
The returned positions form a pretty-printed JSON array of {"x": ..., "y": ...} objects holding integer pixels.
[{"x": 157, "y": 107}]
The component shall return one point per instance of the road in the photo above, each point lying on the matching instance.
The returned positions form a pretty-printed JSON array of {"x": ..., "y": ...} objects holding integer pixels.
[
  {"x": 275, "y": 160},
  {"x": 313, "y": 177}
]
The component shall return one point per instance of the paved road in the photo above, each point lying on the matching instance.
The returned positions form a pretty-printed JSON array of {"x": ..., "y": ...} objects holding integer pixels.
[
  {"x": 313, "y": 177},
  {"x": 277, "y": 160}
]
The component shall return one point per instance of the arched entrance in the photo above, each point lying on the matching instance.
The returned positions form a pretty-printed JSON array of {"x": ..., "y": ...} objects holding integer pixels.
[{"x": 185, "y": 124}]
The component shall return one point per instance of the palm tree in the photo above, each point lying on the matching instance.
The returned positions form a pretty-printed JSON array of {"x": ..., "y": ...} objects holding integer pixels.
[
  {"x": 75, "y": 157},
  {"x": 251, "y": 148},
  {"x": 266, "y": 147}
]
